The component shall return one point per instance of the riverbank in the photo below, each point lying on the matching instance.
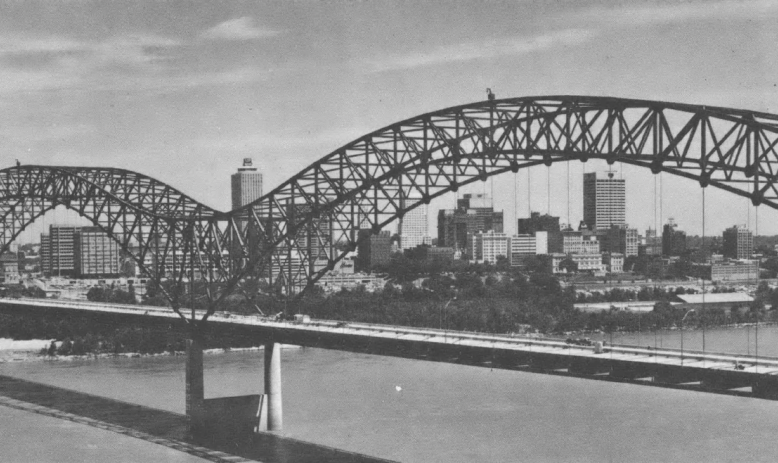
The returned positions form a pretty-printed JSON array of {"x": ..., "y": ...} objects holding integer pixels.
[{"x": 30, "y": 351}]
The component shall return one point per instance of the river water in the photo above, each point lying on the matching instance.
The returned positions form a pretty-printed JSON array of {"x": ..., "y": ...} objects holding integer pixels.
[{"x": 442, "y": 412}]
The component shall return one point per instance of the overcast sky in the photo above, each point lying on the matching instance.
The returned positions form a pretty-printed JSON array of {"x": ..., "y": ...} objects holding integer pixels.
[{"x": 182, "y": 91}]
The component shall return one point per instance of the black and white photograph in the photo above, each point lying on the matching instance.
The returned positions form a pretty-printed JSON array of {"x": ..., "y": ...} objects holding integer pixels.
[{"x": 324, "y": 231}]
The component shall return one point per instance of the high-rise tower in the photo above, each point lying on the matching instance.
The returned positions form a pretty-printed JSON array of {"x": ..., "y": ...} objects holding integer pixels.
[
  {"x": 604, "y": 202},
  {"x": 413, "y": 227},
  {"x": 738, "y": 243},
  {"x": 246, "y": 184}
]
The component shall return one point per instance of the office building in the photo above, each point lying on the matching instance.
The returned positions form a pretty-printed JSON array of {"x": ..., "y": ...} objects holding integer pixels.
[
  {"x": 246, "y": 184},
  {"x": 738, "y": 243},
  {"x": 413, "y": 228},
  {"x": 673, "y": 241},
  {"x": 525, "y": 245},
  {"x": 95, "y": 253},
  {"x": 61, "y": 250},
  {"x": 545, "y": 223},
  {"x": 733, "y": 270},
  {"x": 474, "y": 214},
  {"x": 604, "y": 201},
  {"x": 372, "y": 249},
  {"x": 622, "y": 240},
  {"x": 45, "y": 252},
  {"x": 487, "y": 246},
  {"x": 537, "y": 222}
]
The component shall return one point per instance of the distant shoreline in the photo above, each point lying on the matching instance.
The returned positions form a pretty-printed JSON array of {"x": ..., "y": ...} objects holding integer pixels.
[{"x": 32, "y": 354}]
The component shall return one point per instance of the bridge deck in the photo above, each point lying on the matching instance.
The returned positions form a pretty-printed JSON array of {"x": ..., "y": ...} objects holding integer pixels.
[{"x": 714, "y": 372}]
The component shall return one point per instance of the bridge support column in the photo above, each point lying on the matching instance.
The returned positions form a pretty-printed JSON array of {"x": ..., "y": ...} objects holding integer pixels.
[
  {"x": 195, "y": 388},
  {"x": 271, "y": 409}
]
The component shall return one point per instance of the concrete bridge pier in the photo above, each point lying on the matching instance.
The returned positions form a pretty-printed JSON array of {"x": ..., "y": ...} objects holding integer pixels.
[
  {"x": 271, "y": 410},
  {"x": 195, "y": 387}
]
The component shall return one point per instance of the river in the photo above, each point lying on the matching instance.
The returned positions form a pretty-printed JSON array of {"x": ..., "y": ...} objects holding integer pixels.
[{"x": 440, "y": 412}]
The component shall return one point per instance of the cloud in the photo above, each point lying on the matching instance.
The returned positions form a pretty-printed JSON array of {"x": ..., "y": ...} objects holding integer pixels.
[
  {"x": 646, "y": 14},
  {"x": 238, "y": 29},
  {"x": 513, "y": 46},
  {"x": 133, "y": 49},
  {"x": 24, "y": 45},
  {"x": 131, "y": 62}
]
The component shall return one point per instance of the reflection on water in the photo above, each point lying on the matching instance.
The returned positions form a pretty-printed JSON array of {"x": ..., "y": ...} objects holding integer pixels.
[{"x": 453, "y": 413}]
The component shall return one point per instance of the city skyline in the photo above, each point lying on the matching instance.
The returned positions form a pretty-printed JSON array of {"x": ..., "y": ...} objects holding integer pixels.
[{"x": 225, "y": 82}]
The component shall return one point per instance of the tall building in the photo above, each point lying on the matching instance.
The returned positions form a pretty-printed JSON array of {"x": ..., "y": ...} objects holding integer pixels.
[
  {"x": 61, "y": 250},
  {"x": 487, "y": 246},
  {"x": 246, "y": 184},
  {"x": 413, "y": 229},
  {"x": 738, "y": 243},
  {"x": 474, "y": 214},
  {"x": 523, "y": 246},
  {"x": 673, "y": 241},
  {"x": 537, "y": 222},
  {"x": 45, "y": 254},
  {"x": 653, "y": 245},
  {"x": 604, "y": 201},
  {"x": 372, "y": 249},
  {"x": 543, "y": 223},
  {"x": 95, "y": 253},
  {"x": 623, "y": 240}
]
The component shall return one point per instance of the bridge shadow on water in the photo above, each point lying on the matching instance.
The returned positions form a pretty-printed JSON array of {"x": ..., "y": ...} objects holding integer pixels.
[{"x": 164, "y": 427}]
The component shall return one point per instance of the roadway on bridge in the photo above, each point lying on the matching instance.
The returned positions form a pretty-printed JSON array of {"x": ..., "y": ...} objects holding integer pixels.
[{"x": 743, "y": 364}]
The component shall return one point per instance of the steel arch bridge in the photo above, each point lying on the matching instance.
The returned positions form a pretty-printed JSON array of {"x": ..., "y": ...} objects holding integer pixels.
[{"x": 292, "y": 235}]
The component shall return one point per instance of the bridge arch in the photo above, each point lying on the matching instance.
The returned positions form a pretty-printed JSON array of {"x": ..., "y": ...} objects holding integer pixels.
[
  {"x": 377, "y": 178},
  {"x": 296, "y": 232}
]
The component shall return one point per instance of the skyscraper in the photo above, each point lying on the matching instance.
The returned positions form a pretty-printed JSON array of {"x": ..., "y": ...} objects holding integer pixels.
[
  {"x": 474, "y": 214},
  {"x": 95, "y": 253},
  {"x": 246, "y": 184},
  {"x": 604, "y": 201},
  {"x": 738, "y": 243},
  {"x": 373, "y": 249},
  {"x": 673, "y": 241},
  {"x": 413, "y": 227},
  {"x": 246, "y": 188},
  {"x": 45, "y": 254},
  {"x": 61, "y": 252},
  {"x": 622, "y": 240}
]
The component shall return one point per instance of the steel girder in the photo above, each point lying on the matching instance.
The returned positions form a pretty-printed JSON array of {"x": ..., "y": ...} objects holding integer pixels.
[{"x": 296, "y": 232}]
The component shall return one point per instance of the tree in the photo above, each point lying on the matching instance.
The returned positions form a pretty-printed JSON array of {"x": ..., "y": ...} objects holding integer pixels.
[
  {"x": 502, "y": 264},
  {"x": 538, "y": 264},
  {"x": 568, "y": 265}
]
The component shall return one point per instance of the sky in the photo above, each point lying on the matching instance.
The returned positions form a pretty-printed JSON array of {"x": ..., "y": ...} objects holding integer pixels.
[{"x": 184, "y": 90}]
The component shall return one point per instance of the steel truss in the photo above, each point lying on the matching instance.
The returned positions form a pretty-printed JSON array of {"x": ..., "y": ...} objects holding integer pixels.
[{"x": 292, "y": 235}]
